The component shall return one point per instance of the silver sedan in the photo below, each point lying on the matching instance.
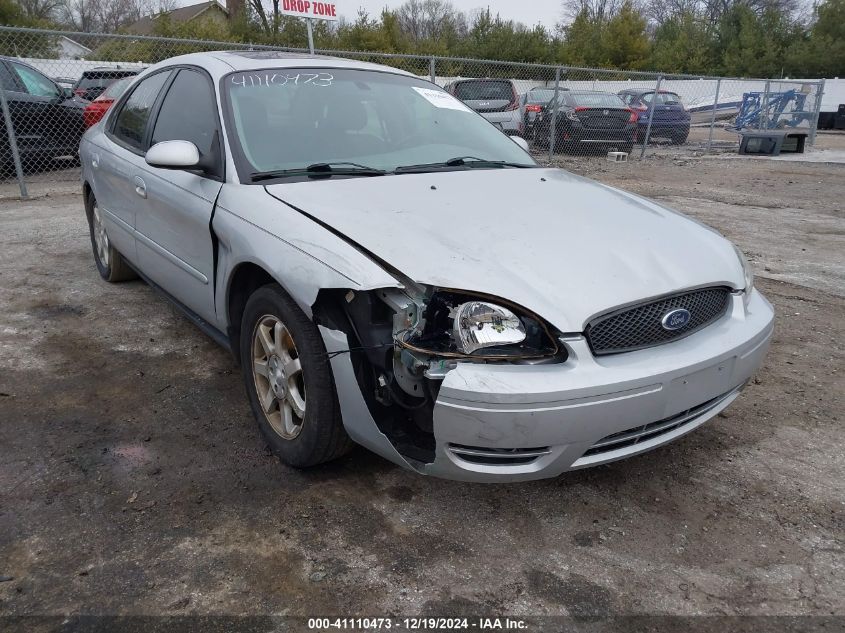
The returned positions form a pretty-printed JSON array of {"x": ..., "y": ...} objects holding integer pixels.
[{"x": 390, "y": 269}]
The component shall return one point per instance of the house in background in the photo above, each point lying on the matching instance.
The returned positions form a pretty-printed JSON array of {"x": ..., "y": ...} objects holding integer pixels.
[
  {"x": 67, "y": 48},
  {"x": 212, "y": 10}
]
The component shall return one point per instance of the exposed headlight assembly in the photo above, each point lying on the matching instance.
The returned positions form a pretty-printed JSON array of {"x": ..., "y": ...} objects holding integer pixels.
[
  {"x": 458, "y": 324},
  {"x": 746, "y": 270},
  {"x": 478, "y": 324}
]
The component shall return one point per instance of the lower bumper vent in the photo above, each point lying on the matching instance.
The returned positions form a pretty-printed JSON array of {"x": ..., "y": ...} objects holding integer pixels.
[
  {"x": 497, "y": 456},
  {"x": 626, "y": 439}
]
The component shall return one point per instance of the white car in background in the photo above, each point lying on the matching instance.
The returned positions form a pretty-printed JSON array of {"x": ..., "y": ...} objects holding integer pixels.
[
  {"x": 389, "y": 269},
  {"x": 495, "y": 99}
]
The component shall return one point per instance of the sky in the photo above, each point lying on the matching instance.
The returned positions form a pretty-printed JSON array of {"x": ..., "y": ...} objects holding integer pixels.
[{"x": 530, "y": 12}]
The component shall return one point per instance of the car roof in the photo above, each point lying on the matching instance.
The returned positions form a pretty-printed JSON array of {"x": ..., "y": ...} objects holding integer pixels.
[
  {"x": 99, "y": 70},
  {"x": 219, "y": 63},
  {"x": 486, "y": 79},
  {"x": 642, "y": 91}
]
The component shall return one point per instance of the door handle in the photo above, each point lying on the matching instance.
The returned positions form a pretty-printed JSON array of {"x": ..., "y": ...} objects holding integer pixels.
[
  {"x": 140, "y": 187},
  {"x": 95, "y": 160}
]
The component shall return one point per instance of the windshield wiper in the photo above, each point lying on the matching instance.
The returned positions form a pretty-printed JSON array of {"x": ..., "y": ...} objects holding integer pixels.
[
  {"x": 320, "y": 170},
  {"x": 469, "y": 162}
]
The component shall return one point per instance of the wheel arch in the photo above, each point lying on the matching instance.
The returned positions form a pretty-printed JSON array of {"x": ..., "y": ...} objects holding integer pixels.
[
  {"x": 245, "y": 278},
  {"x": 87, "y": 192}
]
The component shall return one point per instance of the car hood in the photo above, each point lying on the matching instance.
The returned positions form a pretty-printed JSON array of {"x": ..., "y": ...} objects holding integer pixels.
[{"x": 563, "y": 246}]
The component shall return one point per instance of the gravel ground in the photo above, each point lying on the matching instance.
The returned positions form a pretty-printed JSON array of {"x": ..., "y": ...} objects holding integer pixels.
[{"x": 133, "y": 479}]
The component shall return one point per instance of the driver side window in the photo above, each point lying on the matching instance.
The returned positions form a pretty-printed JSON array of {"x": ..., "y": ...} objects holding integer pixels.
[
  {"x": 189, "y": 113},
  {"x": 35, "y": 83}
]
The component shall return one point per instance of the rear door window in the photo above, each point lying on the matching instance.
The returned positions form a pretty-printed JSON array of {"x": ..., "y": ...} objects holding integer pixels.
[
  {"x": 484, "y": 91},
  {"x": 598, "y": 100},
  {"x": 131, "y": 123},
  {"x": 663, "y": 98}
]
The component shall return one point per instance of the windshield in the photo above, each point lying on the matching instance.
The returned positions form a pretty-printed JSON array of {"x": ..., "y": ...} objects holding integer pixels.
[
  {"x": 541, "y": 96},
  {"x": 663, "y": 98},
  {"x": 117, "y": 88},
  {"x": 597, "y": 100},
  {"x": 484, "y": 91},
  {"x": 290, "y": 118},
  {"x": 98, "y": 80}
]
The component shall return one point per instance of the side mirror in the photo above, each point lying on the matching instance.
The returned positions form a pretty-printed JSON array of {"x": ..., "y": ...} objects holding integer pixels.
[
  {"x": 173, "y": 155},
  {"x": 521, "y": 142},
  {"x": 67, "y": 93}
]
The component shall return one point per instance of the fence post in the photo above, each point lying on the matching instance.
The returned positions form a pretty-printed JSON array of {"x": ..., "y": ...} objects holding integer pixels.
[
  {"x": 552, "y": 132},
  {"x": 651, "y": 114},
  {"x": 815, "y": 122},
  {"x": 310, "y": 26},
  {"x": 13, "y": 142},
  {"x": 713, "y": 116},
  {"x": 764, "y": 107},
  {"x": 432, "y": 69}
]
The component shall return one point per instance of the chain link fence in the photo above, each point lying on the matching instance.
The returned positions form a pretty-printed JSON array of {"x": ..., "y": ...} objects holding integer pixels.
[{"x": 55, "y": 84}]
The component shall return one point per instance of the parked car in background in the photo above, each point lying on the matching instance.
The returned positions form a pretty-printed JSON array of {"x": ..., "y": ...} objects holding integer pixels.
[
  {"x": 47, "y": 119},
  {"x": 531, "y": 104},
  {"x": 587, "y": 119},
  {"x": 93, "y": 82},
  {"x": 96, "y": 109},
  {"x": 495, "y": 99},
  {"x": 390, "y": 269},
  {"x": 670, "y": 119}
]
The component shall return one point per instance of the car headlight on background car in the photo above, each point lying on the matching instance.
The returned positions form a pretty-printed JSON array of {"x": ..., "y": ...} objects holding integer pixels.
[
  {"x": 746, "y": 270},
  {"x": 479, "y": 324}
]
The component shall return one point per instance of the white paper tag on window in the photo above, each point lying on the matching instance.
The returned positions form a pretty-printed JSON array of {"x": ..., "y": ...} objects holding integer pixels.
[{"x": 441, "y": 99}]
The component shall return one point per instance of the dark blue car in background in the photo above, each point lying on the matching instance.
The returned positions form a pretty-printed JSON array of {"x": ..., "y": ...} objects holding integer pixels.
[{"x": 670, "y": 120}]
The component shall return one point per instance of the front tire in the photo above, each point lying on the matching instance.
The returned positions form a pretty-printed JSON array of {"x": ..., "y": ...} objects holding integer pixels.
[
  {"x": 110, "y": 263},
  {"x": 680, "y": 138},
  {"x": 289, "y": 381}
]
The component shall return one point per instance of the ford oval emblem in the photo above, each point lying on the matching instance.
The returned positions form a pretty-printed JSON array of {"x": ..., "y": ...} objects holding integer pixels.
[{"x": 675, "y": 319}]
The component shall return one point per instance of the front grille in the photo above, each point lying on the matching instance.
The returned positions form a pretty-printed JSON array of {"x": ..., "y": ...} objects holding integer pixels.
[
  {"x": 640, "y": 326},
  {"x": 625, "y": 439},
  {"x": 498, "y": 456}
]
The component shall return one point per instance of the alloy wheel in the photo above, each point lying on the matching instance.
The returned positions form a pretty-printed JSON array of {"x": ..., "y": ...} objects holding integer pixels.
[
  {"x": 101, "y": 240},
  {"x": 279, "y": 381}
]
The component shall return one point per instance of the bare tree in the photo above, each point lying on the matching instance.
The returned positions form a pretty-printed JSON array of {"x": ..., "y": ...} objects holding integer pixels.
[
  {"x": 658, "y": 11},
  {"x": 40, "y": 9},
  {"x": 429, "y": 19},
  {"x": 595, "y": 10},
  {"x": 269, "y": 23},
  {"x": 81, "y": 15},
  {"x": 108, "y": 16}
]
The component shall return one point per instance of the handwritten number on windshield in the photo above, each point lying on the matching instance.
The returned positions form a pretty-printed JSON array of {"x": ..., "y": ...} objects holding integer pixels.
[{"x": 262, "y": 80}]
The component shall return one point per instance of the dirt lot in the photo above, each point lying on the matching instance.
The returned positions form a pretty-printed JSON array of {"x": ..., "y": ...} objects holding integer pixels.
[{"x": 133, "y": 479}]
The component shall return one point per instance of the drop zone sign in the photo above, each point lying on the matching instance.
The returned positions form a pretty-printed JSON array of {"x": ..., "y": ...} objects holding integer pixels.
[{"x": 309, "y": 9}]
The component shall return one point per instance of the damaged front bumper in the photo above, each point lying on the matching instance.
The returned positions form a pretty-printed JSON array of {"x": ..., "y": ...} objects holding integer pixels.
[{"x": 506, "y": 422}]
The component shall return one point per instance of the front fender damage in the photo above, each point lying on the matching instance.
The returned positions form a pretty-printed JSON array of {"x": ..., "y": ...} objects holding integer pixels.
[
  {"x": 357, "y": 418},
  {"x": 390, "y": 350}
]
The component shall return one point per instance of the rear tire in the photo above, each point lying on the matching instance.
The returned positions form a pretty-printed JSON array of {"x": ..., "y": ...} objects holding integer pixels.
[
  {"x": 110, "y": 263},
  {"x": 289, "y": 381},
  {"x": 680, "y": 139}
]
